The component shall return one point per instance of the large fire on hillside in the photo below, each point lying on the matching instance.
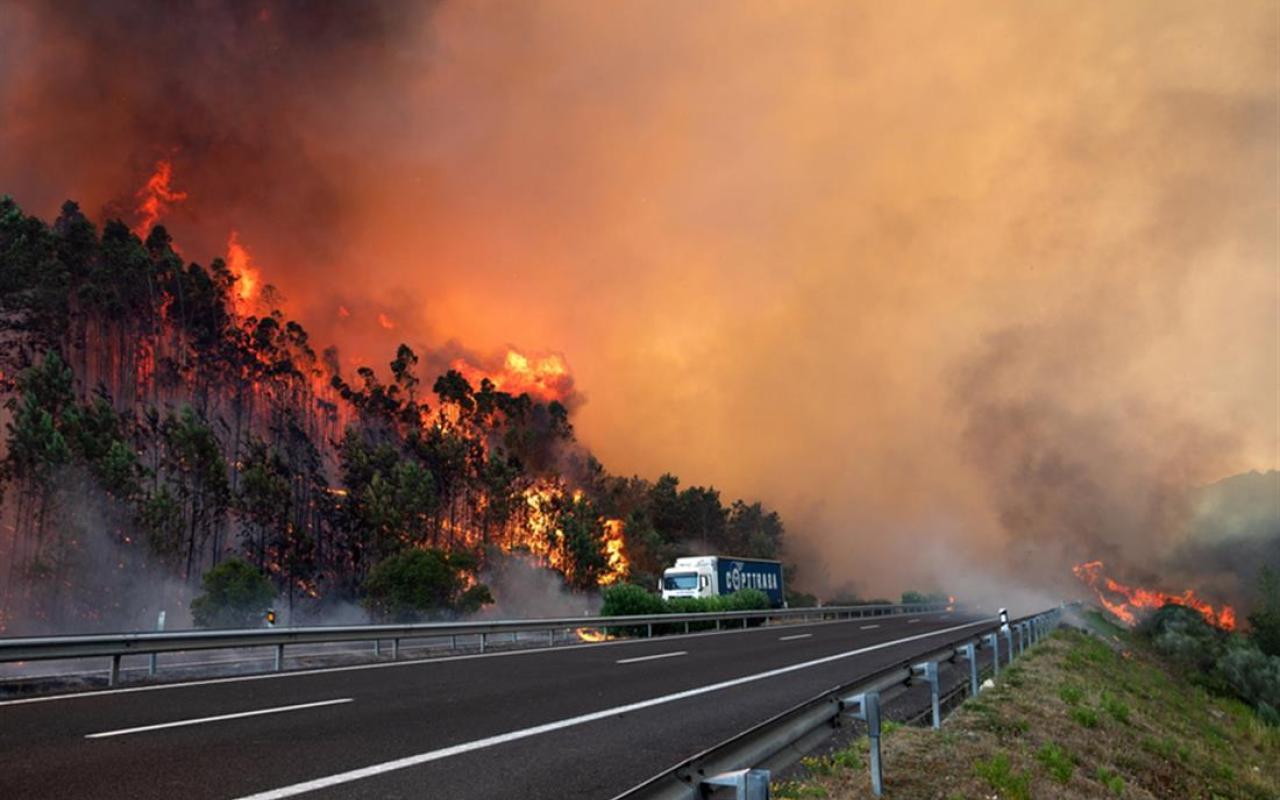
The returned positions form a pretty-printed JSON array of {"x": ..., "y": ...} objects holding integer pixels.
[
  {"x": 1126, "y": 602},
  {"x": 538, "y": 529}
]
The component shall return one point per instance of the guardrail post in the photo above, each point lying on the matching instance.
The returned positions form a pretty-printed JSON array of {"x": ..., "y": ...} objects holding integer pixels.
[
  {"x": 395, "y": 649},
  {"x": 279, "y": 665},
  {"x": 1008, "y": 642},
  {"x": 377, "y": 648},
  {"x": 869, "y": 710},
  {"x": 649, "y": 627},
  {"x": 748, "y": 784},
  {"x": 113, "y": 678},
  {"x": 686, "y": 626},
  {"x": 929, "y": 670},
  {"x": 482, "y": 638},
  {"x": 994, "y": 640},
  {"x": 969, "y": 653}
]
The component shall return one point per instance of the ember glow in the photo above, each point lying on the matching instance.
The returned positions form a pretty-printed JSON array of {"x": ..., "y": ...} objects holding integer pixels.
[{"x": 1126, "y": 602}]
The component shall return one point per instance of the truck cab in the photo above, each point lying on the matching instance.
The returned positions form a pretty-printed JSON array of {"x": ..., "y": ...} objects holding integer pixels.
[{"x": 691, "y": 577}]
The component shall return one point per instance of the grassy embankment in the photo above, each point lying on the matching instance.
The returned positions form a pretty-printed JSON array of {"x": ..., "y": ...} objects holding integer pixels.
[{"x": 1076, "y": 717}]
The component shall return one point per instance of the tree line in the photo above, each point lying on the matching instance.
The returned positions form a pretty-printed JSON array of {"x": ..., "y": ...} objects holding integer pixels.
[{"x": 152, "y": 429}]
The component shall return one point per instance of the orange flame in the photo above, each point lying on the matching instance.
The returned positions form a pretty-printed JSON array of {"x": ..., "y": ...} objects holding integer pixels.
[
  {"x": 386, "y": 322},
  {"x": 1090, "y": 573},
  {"x": 591, "y": 635},
  {"x": 546, "y": 377},
  {"x": 156, "y": 196},
  {"x": 248, "y": 279},
  {"x": 546, "y": 542}
]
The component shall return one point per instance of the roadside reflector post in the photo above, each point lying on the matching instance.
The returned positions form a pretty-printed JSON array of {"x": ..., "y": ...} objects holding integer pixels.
[
  {"x": 748, "y": 784},
  {"x": 113, "y": 679},
  {"x": 686, "y": 626},
  {"x": 153, "y": 664},
  {"x": 969, "y": 653},
  {"x": 279, "y": 657},
  {"x": 649, "y": 628},
  {"x": 993, "y": 639},
  {"x": 868, "y": 710},
  {"x": 929, "y": 671}
]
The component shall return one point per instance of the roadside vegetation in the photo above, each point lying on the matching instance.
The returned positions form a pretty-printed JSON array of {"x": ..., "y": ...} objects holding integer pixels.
[
  {"x": 629, "y": 599},
  {"x": 1107, "y": 715}
]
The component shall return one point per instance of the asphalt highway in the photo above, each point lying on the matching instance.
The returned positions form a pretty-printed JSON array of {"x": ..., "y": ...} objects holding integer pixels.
[{"x": 570, "y": 722}]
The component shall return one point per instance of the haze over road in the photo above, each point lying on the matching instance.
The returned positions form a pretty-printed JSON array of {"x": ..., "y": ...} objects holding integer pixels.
[{"x": 585, "y": 722}]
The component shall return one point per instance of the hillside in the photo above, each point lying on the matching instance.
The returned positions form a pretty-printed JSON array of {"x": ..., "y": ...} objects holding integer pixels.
[
  {"x": 1079, "y": 716},
  {"x": 164, "y": 417}
]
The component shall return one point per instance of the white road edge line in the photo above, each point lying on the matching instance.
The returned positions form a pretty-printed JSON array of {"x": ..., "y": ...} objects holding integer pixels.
[
  {"x": 219, "y": 718},
  {"x": 794, "y": 636},
  {"x": 868, "y": 627},
  {"x": 480, "y": 744},
  {"x": 650, "y": 658},
  {"x": 912, "y": 621}
]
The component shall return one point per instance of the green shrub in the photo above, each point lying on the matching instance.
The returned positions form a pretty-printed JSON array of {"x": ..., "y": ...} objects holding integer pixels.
[
  {"x": 746, "y": 600},
  {"x": 1115, "y": 707},
  {"x": 999, "y": 772},
  {"x": 1070, "y": 694},
  {"x": 1265, "y": 619},
  {"x": 1111, "y": 780},
  {"x": 1057, "y": 762},
  {"x": 236, "y": 595},
  {"x": 913, "y": 598},
  {"x": 627, "y": 599},
  {"x": 418, "y": 583},
  {"x": 1085, "y": 716},
  {"x": 1250, "y": 674}
]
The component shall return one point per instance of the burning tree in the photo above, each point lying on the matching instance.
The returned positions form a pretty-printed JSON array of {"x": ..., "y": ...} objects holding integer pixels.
[{"x": 171, "y": 411}]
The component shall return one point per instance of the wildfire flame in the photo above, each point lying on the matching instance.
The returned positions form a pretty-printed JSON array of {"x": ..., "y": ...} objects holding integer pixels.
[
  {"x": 545, "y": 541},
  {"x": 248, "y": 278},
  {"x": 156, "y": 196},
  {"x": 1090, "y": 573},
  {"x": 591, "y": 635},
  {"x": 545, "y": 377}
]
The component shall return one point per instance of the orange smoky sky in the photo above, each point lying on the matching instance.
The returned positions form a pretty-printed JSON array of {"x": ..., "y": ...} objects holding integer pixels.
[{"x": 947, "y": 283}]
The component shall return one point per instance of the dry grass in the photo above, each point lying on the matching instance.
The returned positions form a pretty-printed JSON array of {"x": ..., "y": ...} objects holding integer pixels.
[{"x": 1077, "y": 717}]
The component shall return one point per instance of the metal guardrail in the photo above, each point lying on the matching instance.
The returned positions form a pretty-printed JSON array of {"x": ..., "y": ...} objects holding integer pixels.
[
  {"x": 117, "y": 645},
  {"x": 746, "y": 761}
]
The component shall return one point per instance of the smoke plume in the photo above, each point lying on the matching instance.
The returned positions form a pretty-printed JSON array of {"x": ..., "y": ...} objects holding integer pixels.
[{"x": 947, "y": 283}]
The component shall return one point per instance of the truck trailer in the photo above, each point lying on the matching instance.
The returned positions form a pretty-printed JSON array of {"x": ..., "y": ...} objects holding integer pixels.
[{"x": 711, "y": 576}]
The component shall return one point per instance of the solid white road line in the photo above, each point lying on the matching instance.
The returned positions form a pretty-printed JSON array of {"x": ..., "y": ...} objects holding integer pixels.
[
  {"x": 912, "y": 621},
  {"x": 794, "y": 636},
  {"x": 524, "y": 733},
  {"x": 868, "y": 627},
  {"x": 650, "y": 658},
  {"x": 219, "y": 718}
]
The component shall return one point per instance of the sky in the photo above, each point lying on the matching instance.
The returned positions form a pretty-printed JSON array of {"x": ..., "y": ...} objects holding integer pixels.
[{"x": 955, "y": 286}]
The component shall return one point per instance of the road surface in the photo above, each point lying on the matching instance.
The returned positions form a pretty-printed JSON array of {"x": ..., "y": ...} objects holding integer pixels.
[{"x": 572, "y": 722}]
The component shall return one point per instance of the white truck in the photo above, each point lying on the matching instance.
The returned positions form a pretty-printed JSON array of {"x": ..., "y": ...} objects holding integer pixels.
[{"x": 711, "y": 576}]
